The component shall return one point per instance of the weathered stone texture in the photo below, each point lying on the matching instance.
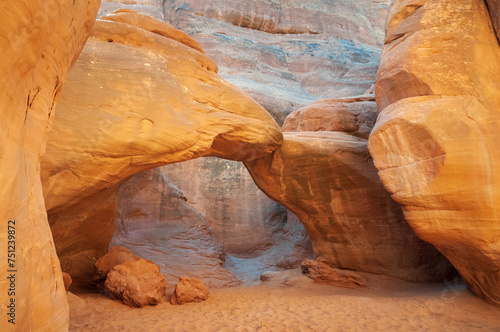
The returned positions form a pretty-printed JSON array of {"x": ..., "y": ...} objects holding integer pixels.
[
  {"x": 436, "y": 141},
  {"x": 40, "y": 41}
]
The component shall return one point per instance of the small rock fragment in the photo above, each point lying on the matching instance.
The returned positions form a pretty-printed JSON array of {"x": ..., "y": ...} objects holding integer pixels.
[{"x": 189, "y": 290}]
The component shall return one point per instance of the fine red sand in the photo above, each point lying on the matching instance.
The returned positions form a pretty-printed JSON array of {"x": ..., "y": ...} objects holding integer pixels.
[{"x": 292, "y": 302}]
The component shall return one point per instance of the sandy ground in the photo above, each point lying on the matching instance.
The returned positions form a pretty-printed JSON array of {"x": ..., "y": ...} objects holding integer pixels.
[{"x": 292, "y": 302}]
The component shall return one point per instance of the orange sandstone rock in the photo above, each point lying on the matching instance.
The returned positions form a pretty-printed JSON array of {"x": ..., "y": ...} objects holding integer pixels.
[
  {"x": 329, "y": 181},
  {"x": 117, "y": 255},
  {"x": 136, "y": 283},
  {"x": 321, "y": 272},
  {"x": 148, "y": 101},
  {"x": 67, "y": 280},
  {"x": 436, "y": 140},
  {"x": 189, "y": 290},
  {"x": 39, "y": 42},
  {"x": 354, "y": 115},
  {"x": 150, "y": 24}
]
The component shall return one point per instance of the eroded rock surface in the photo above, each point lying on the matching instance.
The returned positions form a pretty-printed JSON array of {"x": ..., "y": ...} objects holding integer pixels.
[
  {"x": 153, "y": 8},
  {"x": 40, "y": 41},
  {"x": 218, "y": 222},
  {"x": 257, "y": 233},
  {"x": 136, "y": 283},
  {"x": 117, "y": 255},
  {"x": 67, "y": 280},
  {"x": 189, "y": 290},
  {"x": 321, "y": 272},
  {"x": 155, "y": 221},
  {"x": 285, "y": 54},
  {"x": 436, "y": 141},
  {"x": 243, "y": 218},
  {"x": 286, "y": 253},
  {"x": 354, "y": 115},
  {"x": 153, "y": 25},
  {"x": 148, "y": 100},
  {"x": 329, "y": 181},
  {"x": 494, "y": 9},
  {"x": 82, "y": 233}
]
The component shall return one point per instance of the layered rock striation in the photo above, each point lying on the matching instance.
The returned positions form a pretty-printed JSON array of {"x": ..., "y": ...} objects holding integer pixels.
[
  {"x": 352, "y": 115},
  {"x": 155, "y": 221},
  {"x": 285, "y": 54},
  {"x": 242, "y": 217},
  {"x": 436, "y": 140}
]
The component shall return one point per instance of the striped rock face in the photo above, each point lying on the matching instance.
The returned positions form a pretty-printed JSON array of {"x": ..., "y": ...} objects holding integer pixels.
[{"x": 285, "y": 54}]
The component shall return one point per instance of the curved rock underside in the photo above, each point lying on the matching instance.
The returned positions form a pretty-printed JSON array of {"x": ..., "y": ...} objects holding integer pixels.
[
  {"x": 148, "y": 101},
  {"x": 136, "y": 99},
  {"x": 436, "y": 141},
  {"x": 327, "y": 178},
  {"x": 40, "y": 41},
  {"x": 285, "y": 54}
]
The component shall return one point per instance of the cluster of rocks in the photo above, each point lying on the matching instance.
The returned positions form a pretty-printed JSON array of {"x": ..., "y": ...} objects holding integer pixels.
[{"x": 138, "y": 282}]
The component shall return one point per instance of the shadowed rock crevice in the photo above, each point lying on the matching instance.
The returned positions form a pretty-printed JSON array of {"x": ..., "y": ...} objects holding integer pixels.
[{"x": 494, "y": 10}]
